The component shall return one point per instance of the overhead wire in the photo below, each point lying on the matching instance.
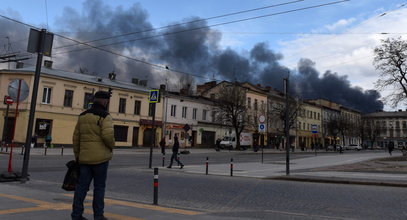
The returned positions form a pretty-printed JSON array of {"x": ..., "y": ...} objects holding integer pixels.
[
  {"x": 189, "y": 22},
  {"x": 193, "y": 29},
  {"x": 204, "y": 27}
]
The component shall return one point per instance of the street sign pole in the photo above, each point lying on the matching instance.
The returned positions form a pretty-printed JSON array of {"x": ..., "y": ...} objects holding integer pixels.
[
  {"x": 3, "y": 139},
  {"x": 154, "y": 97},
  {"x": 40, "y": 55},
  {"x": 153, "y": 137}
]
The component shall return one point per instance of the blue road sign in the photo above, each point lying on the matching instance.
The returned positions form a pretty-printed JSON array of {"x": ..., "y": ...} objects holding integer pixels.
[
  {"x": 262, "y": 127},
  {"x": 154, "y": 96},
  {"x": 314, "y": 129}
]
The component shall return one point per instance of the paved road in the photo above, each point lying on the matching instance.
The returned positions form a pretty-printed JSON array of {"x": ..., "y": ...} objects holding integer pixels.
[{"x": 188, "y": 193}]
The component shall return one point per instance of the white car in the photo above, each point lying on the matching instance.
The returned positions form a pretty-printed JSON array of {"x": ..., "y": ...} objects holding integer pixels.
[{"x": 354, "y": 147}]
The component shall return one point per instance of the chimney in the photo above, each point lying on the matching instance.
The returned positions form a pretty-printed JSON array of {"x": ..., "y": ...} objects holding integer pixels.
[
  {"x": 183, "y": 91},
  {"x": 48, "y": 64},
  {"x": 19, "y": 65},
  {"x": 134, "y": 81},
  {"x": 112, "y": 76},
  {"x": 162, "y": 87}
]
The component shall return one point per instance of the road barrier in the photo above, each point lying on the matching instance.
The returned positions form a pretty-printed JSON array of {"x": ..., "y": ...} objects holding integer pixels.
[
  {"x": 207, "y": 164},
  {"x": 163, "y": 164},
  {"x": 155, "y": 202},
  {"x": 231, "y": 166}
]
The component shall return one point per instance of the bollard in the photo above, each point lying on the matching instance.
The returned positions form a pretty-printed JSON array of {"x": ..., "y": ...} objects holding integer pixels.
[
  {"x": 163, "y": 160},
  {"x": 45, "y": 150},
  {"x": 22, "y": 150},
  {"x": 178, "y": 159},
  {"x": 6, "y": 148},
  {"x": 155, "y": 186},
  {"x": 62, "y": 150},
  {"x": 231, "y": 167},
  {"x": 207, "y": 163}
]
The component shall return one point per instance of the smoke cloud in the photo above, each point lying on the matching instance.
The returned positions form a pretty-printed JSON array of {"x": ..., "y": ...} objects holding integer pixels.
[{"x": 197, "y": 52}]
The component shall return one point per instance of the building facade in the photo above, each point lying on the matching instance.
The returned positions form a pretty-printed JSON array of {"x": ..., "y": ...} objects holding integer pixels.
[{"x": 63, "y": 95}]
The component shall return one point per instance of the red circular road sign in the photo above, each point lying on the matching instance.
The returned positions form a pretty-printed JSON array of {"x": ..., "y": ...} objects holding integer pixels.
[{"x": 8, "y": 100}]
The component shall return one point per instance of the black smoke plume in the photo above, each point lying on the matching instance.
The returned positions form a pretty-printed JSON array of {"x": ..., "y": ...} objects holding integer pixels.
[{"x": 197, "y": 52}]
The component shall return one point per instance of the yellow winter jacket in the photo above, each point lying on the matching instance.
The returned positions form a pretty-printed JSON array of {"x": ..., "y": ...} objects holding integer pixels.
[{"x": 93, "y": 138}]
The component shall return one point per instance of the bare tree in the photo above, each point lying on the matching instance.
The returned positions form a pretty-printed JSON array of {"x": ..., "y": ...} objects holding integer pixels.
[
  {"x": 277, "y": 114},
  {"x": 360, "y": 129},
  {"x": 372, "y": 130},
  {"x": 333, "y": 127},
  {"x": 390, "y": 58},
  {"x": 230, "y": 104}
]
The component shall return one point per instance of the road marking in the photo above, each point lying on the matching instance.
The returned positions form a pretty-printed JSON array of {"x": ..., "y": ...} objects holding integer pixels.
[
  {"x": 21, "y": 210},
  {"x": 145, "y": 206}
]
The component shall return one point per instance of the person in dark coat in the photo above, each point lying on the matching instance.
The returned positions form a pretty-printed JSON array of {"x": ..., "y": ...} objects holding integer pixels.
[
  {"x": 391, "y": 147},
  {"x": 162, "y": 145},
  {"x": 175, "y": 149}
]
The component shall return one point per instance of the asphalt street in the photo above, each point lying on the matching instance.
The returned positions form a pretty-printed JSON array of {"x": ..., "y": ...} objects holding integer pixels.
[{"x": 189, "y": 193}]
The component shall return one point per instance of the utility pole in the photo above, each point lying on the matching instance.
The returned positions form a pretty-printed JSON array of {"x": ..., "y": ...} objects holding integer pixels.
[
  {"x": 42, "y": 45},
  {"x": 286, "y": 128}
]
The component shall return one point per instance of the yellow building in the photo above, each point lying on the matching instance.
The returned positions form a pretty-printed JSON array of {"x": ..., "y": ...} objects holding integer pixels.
[
  {"x": 309, "y": 126},
  {"x": 62, "y": 96}
]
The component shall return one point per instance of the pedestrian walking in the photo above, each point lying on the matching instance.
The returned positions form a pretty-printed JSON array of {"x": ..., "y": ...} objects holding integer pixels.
[
  {"x": 175, "y": 149},
  {"x": 93, "y": 143},
  {"x": 162, "y": 145},
  {"x": 218, "y": 144},
  {"x": 48, "y": 140},
  {"x": 391, "y": 147}
]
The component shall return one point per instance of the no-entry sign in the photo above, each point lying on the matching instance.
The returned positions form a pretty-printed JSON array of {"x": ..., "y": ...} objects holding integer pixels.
[{"x": 8, "y": 100}]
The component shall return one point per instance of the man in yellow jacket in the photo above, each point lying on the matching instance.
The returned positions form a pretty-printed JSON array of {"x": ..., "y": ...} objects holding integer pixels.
[{"x": 93, "y": 143}]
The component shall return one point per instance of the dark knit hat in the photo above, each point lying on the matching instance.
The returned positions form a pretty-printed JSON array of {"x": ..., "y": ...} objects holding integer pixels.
[{"x": 102, "y": 95}]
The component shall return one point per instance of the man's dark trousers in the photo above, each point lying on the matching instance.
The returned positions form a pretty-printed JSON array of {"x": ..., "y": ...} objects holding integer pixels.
[{"x": 98, "y": 173}]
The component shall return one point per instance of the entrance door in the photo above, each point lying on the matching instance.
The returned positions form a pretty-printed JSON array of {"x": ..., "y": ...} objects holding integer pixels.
[
  {"x": 208, "y": 138},
  {"x": 148, "y": 137},
  {"x": 135, "y": 137}
]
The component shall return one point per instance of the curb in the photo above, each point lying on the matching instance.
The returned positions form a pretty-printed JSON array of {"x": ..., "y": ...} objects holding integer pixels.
[{"x": 337, "y": 181}]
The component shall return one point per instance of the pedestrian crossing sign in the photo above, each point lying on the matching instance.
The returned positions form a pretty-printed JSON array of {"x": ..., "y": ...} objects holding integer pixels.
[{"x": 154, "y": 96}]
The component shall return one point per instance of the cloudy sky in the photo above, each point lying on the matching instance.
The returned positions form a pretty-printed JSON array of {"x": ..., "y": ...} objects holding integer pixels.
[{"x": 326, "y": 45}]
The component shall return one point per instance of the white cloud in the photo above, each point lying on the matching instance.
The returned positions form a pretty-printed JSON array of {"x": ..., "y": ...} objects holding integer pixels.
[
  {"x": 340, "y": 24},
  {"x": 349, "y": 53}
]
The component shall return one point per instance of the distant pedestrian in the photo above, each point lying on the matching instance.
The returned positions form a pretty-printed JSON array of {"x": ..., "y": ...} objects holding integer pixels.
[
  {"x": 175, "y": 149},
  {"x": 391, "y": 147},
  {"x": 48, "y": 140},
  {"x": 218, "y": 144},
  {"x": 162, "y": 145}
]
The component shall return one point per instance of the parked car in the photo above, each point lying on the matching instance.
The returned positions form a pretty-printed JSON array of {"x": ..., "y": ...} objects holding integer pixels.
[
  {"x": 353, "y": 147},
  {"x": 338, "y": 147}
]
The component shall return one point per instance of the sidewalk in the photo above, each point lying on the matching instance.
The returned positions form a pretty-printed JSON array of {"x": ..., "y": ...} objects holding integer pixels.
[{"x": 309, "y": 170}]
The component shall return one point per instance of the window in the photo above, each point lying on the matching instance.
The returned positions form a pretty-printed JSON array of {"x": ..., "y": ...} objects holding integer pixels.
[
  {"x": 249, "y": 103},
  {"x": 87, "y": 100},
  {"x": 46, "y": 95},
  {"x": 213, "y": 116},
  {"x": 319, "y": 116},
  {"x": 315, "y": 115},
  {"x": 194, "y": 111},
  {"x": 122, "y": 105},
  {"x": 212, "y": 95},
  {"x": 120, "y": 133},
  {"x": 137, "y": 107},
  {"x": 204, "y": 111},
  {"x": 68, "y": 98},
  {"x": 173, "y": 110},
  {"x": 255, "y": 104},
  {"x": 184, "y": 112},
  {"x": 151, "y": 109}
]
